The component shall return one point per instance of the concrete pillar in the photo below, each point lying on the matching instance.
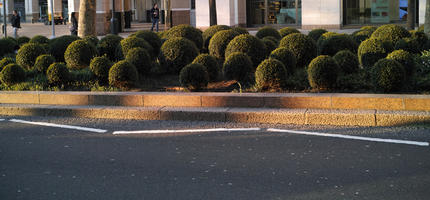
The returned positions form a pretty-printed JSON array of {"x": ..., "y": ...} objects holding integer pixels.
[
  {"x": 140, "y": 12},
  {"x": 229, "y": 12},
  {"x": 181, "y": 12},
  {"x": 321, "y": 14},
  {"x": 32, "y": 10},
  {"x": 103, "y": 13},
  {"x": 421, "y": 11},
  {"x": 58, "y": 7}
]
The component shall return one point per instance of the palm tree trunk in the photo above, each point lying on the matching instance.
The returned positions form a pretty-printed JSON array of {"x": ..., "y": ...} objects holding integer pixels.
[
  {"x": 87, "y": 18},
  {"x": 411, "y": 15},
  {"x": 427, "y": 18},
  {"x": 212, "y": 12}
]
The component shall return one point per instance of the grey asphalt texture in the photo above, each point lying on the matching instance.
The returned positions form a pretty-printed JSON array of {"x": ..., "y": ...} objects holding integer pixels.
[{"x": 38, "y": 162}]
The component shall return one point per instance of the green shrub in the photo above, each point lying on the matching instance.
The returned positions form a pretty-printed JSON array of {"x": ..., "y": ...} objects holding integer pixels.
[
  {"x": 178, "y": 52},
  {"x": 123, "y": 74},
  {"x": 43, "y": 62},
  {"x": 250, "y": 45},
  {"x": 371, "y": 50},
  {"x": 347, "y": 61},
  {"x": 286, "y": 57},
  {"x": 91, "y": 39},
  {"x": 194, "y": 77},
  {"x": 58, "y": 46},
  {"x": 271, "y": 75},
  {"x": 369, "y": 28},
  {"x": 108, "y": 46},
  {"x": 388, "y": 75},
  {"x": 6, "y": 61},
  {"x": 330, "y": 46},
  {"x": 420, "y": 37},
  {"x": 23, "y": 40},
  {"x": 408, "y": 44},
  {"x": 270, "y": 45},
  {"x": 57, "y": 74},
  {"x": 219, "y": 42},
  {"x": 12, "y": 74},
  {"x": 100, "y": 67},
  {"x": 390, "y": 32},
  {"x": 273, "y": 39},
  {"x": 139, "y": 57},
  {"x": 302, "y": 46},
  {"x": 268, "y": 31},
  {"x": 315, "y": 34},
  {"x": 28, "y": 53},
  {"x": 240, "y": 30},
  {"x": 153, "y": 39},
  {"x": 238, "y": 66},
  {"x": 210, "y": 32},
  {"x": 361, "y": 35},
  {"x": 323, "y": 72},
  {"x": 287, "y": 30},
  {"x": 7, "y": 46},
  {"x": 406, "y": 59},
  {"x": 421, "y": 28},
  {"x": 79, "y": 54},
  {"x": 39, "y": 39},
  {"x": 188, "y": 32},
  {"x": 134, "y": 42},
  {"x": 210, "y": 63}
]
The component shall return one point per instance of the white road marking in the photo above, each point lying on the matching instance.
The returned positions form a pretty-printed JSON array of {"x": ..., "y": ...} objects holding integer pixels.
[
  {"x": 2, "y": 120},
  {"x": 187, "y": 131},
  {"x": 351, "y": 137},
  {"x": 60, "y": 126}
]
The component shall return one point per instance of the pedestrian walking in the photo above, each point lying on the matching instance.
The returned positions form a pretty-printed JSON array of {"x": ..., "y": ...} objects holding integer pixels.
[
  {"x": 155, "y": 16},
  {"x": 16, "y": 23},
  {"x": 74, "y": 26}
]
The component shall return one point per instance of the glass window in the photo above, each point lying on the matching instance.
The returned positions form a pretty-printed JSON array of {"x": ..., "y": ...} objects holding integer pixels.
[
  {"x": 375, "y": 11},
  {"x": 279, "y": 12}
]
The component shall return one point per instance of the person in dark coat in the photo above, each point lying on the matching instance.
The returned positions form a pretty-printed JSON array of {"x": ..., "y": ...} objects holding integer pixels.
[
  {"x": 74, "y": 26},
  {"x": 16, "y": 23},
  {"x": 155, "y": 16}
]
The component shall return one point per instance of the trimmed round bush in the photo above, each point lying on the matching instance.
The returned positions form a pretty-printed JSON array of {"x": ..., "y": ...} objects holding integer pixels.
[
  {"x": 7, "y": 46},
  {"x": 79, "y": 54},
  {"x": 323, "y": 72},
  {"x": 153, "y": 39},
  {"x": 250, "y": 45},
  {"x": 270, "y": 44},
  {"x": 28, "y": 53},
  {"x": 361, "y": 35},
  {"x": 286, "y": 57},
  {"x": 91, "y": 39},
  {"x": 194, "y": 77},
  {"x": 188, "y": 32},
  {"x": 12, "y": 74},
  {"x": 100, "y": 67},
  {"x": 134, "y": 42},
  {"x": 371, "y": 50},
  {"x": 271, "y": 75},
  {"x": 302, "y": 46},
  {"x": 369, "y": 28},
  {"x": 58, "y": 46},
  {"x": 178, "y": 52},
  {"x": 408, "y": 44},
  {"x": 238, "y": 66},
  {"x": 388, "y": 75},
  {"x": 347, "y": 61},
  {"x": 219, "y": 42},
  {"x": 391, "y": 32},
  {"x": 123, "y": 74},
  {"x": 287, "y": 30},
  {"x": 240, "y": 30},
  {"x": 268, "y": 31},
  {"x": 6, "y": 61},
  {"x": 421, "y": 38},
  {"x": 57, "y": 74},
  {"x": 43, "y": 62},
  {"x": 210, "y": 32},
  {"x": 39, "y": 39},
  {"x": 331, "y": 45},
  {"x": 108, "y": 46},
  {"x": 273, "y": 39},
  {"x": 23, "y": 40},
  {"x": 406, "y": 59},
  {"x": 315, "y": 34},
  {"x": 210, "y": 63},
  {"x": 139, "y": 57}
]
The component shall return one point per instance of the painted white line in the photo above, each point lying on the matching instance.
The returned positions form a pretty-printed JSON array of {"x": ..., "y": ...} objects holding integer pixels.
[
  {"x": 351, "y": 137},
  {"x": 187, "y": 131},
  {"x": 2, "y": 120},
  {"x": 60, "y": 126}
]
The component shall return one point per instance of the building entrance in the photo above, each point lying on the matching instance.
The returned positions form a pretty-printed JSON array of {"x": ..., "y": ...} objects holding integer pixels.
[{"x": 276, "y": 12}]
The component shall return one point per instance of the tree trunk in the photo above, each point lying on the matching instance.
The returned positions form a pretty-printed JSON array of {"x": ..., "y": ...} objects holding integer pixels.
[
  {"x": 87, "y": 18},
  {"x": 411, "y": 15},
  {"x": 212, "y": 12},
  {"x": 427, "y": 18}
]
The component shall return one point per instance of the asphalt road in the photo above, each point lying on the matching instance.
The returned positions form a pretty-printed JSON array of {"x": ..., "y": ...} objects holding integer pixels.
[{"x": 41, "y": 162}]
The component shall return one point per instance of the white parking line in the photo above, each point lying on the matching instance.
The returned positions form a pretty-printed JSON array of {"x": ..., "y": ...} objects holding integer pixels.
[
  {"x": 60, "y": 126},
  {"x": 187, "y": 131},
  {"x": 351, "y": 137}
]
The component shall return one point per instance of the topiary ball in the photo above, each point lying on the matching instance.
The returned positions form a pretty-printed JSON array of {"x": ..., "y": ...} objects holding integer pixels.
[
  {"x": 421, "y": 38},
  {"x": 178, "y": 52},
  {"x": 123, "y": 74},
  {"x": 58, "y": 46},
  {"x": 12, "y": 74},
  {"x": 238, "y": 66},
  {"x": 391, "y": 32},
  {"x": 134, "y": 42},
  {"x": 6, "y": 61},
  {"x": 388, "y": 75},
  {"x": 100, "y": 67},
  {"x": 331, "y": 45},
  {"x": 210, "y": 32},
  {"x": 28, "y": 53},
  {"x": 270, "y": 45},
  {"x": 287, "y": 31},
  {"x": 268, "y": 31},
  {"x": 408, "y": 44},
  {"x": 250, "y": 45},
  {"x": 194, "y": 77},
  {"x": 302, "y": 46},
  {"x": 271, "y": 75},
  {"x": 361, "y": 35},
  {"x": 139, "y": 57},
  {"x": 371, "y": 50},
  {"x": 57, "y": 74},
  {"x": 43, "y": 62},
  {"x": 347, "y": 61},
  {"x": 210, "y": 63},
  {"x": 273, "y": 39},
  {"x": 7, "y": 46},
  {"x": 219, "y": 42},
  {"x": 323, "y": 72},
  {"x": 286, "y": 57},
  {"x": 188, "y": 32},
  {"x": 108, "y": 46},
  {"x": 240, "y": 30},
  {"x": 315, "y": 34},
  {"x": 23, "y": 40},
  {"x": 39, "y": 39},
  {"x": 406, "y": 59},
  {"x": 91, "y": 39},
  {"x": 79, "y": 54},
  {"x": 153, "y": 39}
]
